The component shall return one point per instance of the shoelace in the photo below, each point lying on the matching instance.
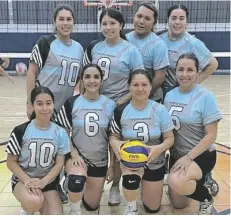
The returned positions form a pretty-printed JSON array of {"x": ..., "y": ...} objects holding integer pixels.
[
  {"x": 128, "y": 209},
  {"x": 204, "y": 206}
]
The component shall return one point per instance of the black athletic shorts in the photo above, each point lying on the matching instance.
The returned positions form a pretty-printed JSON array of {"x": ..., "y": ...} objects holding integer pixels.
[
  {"x": 154, "y": 175},
  {"x": 49, "y": 187},
  {"x": 206, "y": 161},
  {"x": 93, "y": 171}
]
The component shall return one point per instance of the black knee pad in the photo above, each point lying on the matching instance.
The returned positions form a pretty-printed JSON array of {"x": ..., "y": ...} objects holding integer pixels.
[
  {"x": 148, "y": 210},
  {"x": 76, "y": 183},
  {"x": 131, "y": 182},
  {"x": 87, "y": 206}
]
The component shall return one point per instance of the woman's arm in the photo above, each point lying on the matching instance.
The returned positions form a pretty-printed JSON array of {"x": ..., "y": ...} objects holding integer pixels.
[
  {"x": 30, "y": 79},
  {"x": 59, "y": 163},
  {"x": 208, "y": 70},
  {"x": 209, "y": 138},
  {"x": 115, "y": 143},
  {"x": 4, "y": 73},
  {"x": 156, "y": 150},
  {"x": 13, "y": 166},
  {"x": 123, "y": 99}
]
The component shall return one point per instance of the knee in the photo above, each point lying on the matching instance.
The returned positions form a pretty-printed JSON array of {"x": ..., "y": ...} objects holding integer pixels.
[
  {"x": 151, "y": 211},
  {"x": 179, "y": 205},
  {"x": 76, "y": 183},
  {"x": 32, "y": 203},
  {"x": 131, "y": 182},
  {"x": 175, "y": 182},
  {"x": 89, "y": 207}
]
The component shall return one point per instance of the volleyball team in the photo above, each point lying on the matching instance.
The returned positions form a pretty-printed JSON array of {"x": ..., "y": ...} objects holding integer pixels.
[{"x": 138, "y": 86}]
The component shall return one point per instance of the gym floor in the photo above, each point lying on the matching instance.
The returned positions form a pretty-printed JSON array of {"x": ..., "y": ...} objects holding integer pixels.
[{"x": 13, "y": 112}]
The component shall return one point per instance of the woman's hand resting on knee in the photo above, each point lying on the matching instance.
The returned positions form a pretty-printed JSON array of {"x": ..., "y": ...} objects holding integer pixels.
[{"x": 182, "y": 165}]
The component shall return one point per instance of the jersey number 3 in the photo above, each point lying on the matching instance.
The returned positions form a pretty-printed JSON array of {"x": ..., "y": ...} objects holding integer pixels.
[
  {"x": 143, "y": 131},
  {"x": 45, "y": 156}
]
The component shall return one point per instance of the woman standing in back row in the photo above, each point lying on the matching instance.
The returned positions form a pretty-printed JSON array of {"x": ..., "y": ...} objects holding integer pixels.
[
  {"x": 152, "y": 48},
  {"x": 179, "y": 41}
]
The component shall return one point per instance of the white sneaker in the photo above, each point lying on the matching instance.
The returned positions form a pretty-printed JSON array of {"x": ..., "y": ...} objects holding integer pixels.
[
  {"x": 76, "y": 212},
  {"x": 206, "y": 207},
  {"x": 114, "y": 196},
  {"x": 129, "y": 210}
]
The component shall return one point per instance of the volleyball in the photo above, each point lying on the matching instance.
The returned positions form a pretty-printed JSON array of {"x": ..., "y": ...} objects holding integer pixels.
[
  {"x": 134, "y": 154},
  {"x": 21, "y": 68}
]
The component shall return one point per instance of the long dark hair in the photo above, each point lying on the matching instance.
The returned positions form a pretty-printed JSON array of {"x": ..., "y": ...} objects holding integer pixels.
[
  {"x": 117, "y": 15},
  {"x": 63, "y": 7},
  {"x": 178, "y": 6},
  {"x": 37, "y": 91}
]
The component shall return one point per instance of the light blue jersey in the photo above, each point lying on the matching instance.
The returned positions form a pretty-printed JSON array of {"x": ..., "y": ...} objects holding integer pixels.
[
  {"x": 147, "y": 125},
  {"x": 188, "y": 43},
  {"x": 89, "y": 125},
  {"x": 117, "y": 62},
  {"x": 155, "y": 55},
  {"x": 37, "y": 148},
  {"x": 191, "y": 112},
  {"x": 59, "y": 65}
]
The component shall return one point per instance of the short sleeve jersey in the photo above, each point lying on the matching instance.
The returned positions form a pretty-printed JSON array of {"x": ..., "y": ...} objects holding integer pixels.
[
  {"x": 155, "y": 55},
  {"x": 191, "y": 112},
  {"x": 59, "y": 66},
  {"x": 89, "y": 125},
  {"x": 37, "y": 148},
  {"x": 117, "y": 62},
  {"x": 147, "y": 125},
  {"x": 188, "y": 43}
]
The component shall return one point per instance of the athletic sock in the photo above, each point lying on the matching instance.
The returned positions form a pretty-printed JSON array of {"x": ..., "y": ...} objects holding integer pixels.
[{"x": 200, "y": 194}]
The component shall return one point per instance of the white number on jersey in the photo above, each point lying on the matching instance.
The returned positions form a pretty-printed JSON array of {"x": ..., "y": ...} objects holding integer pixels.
[
  {"x": 45, "y": 152},
  {"x": 175, "y": 119},
  {"x": 73, "y": 69},
  {"x": 143, "y": 132},
  {"x": 90, "y": 125},
  {"x": 104, "y": 64}
]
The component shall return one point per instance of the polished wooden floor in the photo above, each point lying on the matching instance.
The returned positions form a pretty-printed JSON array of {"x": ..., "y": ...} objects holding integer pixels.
[{"x": 12, "y": 113}]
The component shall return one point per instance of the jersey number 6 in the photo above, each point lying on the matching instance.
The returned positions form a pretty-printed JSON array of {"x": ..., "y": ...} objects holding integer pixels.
[{"x": 90, "y": 125}]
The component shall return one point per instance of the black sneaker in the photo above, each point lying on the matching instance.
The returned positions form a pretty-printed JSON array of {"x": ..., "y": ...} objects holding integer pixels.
[
  {"x": 62, "y": 195},
  {"x": 212, "y": 185}
]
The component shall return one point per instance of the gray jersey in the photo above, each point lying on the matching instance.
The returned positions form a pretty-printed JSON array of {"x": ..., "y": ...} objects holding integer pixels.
[
  {"x": 36, "y": 148},
  {"x": 59, "y": 65},
  {"x": 191, "y": 112},
  {"x": 147, "y": 125},
  {"x": 117, "y": 62},
  {"x": 89, "y": 122},
  {"x": 188, "y": 43}
]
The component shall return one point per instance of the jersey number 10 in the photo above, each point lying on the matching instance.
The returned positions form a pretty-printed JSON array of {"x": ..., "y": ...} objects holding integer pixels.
[
  {"x": 45, "y": 151},
  {"x": 72, "y": 70}
]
